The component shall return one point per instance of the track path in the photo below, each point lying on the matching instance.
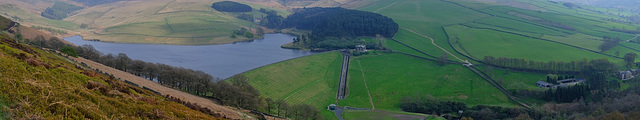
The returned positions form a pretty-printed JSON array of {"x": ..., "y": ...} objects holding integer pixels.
[
  {"x": 367, "y": 87},
  {"x": 434, "y": 44},
  {"x": 637, "y": 35},
  {"x": 394, "y": 3}
]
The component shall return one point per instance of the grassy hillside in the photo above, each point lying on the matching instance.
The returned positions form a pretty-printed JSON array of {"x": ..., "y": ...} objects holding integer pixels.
[
  {"x": 24, "y": 17},
  {"x": 532, "y": 29},
  {"x": 310, "y": 80},
  {"x": 41, "y": 85},
  {"x": 163, "y": 22}
]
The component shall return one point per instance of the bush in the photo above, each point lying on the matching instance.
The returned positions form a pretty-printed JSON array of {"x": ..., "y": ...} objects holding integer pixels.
[{"x": 69, "y": 51}]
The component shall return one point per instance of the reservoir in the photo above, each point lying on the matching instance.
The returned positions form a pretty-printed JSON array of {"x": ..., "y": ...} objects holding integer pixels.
[{"x": 220, "y": 61}]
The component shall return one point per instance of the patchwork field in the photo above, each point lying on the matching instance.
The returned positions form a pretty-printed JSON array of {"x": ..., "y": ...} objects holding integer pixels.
[{"x": 161, "y": 22}]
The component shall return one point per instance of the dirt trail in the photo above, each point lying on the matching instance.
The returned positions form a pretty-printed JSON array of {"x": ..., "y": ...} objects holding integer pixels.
[
  {"x": 394, "y": 3},
  {"x": 224, "y": 111},
  {"x": 367, "y": 87},
  {"x": 432, "y": 42},
  {"x": 637, "y": 35}
]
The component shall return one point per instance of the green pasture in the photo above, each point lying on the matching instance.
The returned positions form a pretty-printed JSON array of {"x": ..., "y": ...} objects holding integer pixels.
[
  {"x": 427, "y": 17},
  {"x": 482, "y": 42},
  {"x": 310, "y": 80},
  {"x": 520, "y": 26},
  {"x": 390, "y": 77},
  {"x": 579, "y": 39}
]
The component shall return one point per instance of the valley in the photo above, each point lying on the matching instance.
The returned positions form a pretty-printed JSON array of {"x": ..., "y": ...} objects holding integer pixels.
[{"x": 415, "y": 59}]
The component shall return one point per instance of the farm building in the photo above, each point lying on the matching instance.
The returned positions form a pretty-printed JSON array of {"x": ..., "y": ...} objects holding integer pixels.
[
  {"x": 361, "y": 48},
  {"x": 626, "y": 75},
  {"x": 543, "y": 84},
  {"x": 331, "y": 107}
]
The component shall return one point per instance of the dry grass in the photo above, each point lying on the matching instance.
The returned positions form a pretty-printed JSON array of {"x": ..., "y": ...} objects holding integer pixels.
[{"x": 40, "y": 85}]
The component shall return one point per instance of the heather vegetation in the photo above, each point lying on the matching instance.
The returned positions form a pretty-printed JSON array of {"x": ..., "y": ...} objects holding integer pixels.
[{"x": 40, "y": 85}]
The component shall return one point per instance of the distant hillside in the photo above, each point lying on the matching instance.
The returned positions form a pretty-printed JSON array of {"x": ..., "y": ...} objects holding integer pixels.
[
  {"x": 95, "y": 2},
  {"x": 627, "y": 4}
]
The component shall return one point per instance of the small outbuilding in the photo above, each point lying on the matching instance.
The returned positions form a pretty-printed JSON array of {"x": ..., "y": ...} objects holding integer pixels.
[
  {"x": 626, "y": 75},
  {"x": 331, "y": 107}
]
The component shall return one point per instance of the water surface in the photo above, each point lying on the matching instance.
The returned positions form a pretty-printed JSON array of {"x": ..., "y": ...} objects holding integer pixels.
[{"x": 218, "y": 60}]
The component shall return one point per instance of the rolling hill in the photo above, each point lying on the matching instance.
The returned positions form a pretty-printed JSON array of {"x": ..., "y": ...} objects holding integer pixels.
[{"x": 191, "y": 22}]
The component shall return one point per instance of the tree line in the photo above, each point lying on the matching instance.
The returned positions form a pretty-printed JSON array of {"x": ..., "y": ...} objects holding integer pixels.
[
  {"x": 59, "y": 10},
  {"x": 230, "y": 6},
  {"x": 630, "y": 31},
  {"x": 236, "y": 91},
  {"x": 608, "y": 43},
  {"x": 567, "y": 94},
  {"x": 536, "y": 66},
  {"x": 340, "y": 22},
  {"x": 430, "y": 105}
]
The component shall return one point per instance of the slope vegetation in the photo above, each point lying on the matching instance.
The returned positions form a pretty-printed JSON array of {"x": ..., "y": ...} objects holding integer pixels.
[{"x": 40, "y": 85}]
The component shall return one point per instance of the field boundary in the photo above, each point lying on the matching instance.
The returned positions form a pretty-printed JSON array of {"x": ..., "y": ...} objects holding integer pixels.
[
  {"x": 432, "y": 42},
  {"x": 544, "y": 40}
]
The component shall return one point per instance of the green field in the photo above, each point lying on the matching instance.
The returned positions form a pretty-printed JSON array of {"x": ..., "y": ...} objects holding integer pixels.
[
  {"x": 475, "y": 29},
  {"x": 390, "y": 77},
  {"x": 483, "y": 42},
  {"x": 310, "y": 80}
]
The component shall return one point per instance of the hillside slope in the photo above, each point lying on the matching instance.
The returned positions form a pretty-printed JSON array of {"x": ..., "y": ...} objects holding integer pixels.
[
  {"x": 184, "y": 22},
  {"x": 40, "y": 85}
]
